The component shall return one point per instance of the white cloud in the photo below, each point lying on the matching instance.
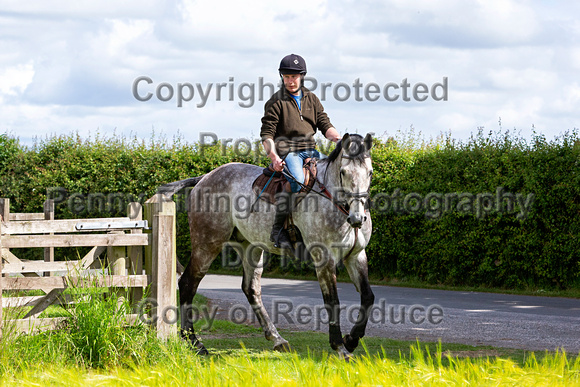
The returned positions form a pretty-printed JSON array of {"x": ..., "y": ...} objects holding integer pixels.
[
  {"x": 451, "y": 23},
  {"x": 121, "y": 33},
  {"x": 15, "y": 79},
  {"x": 82, "y": 9}
]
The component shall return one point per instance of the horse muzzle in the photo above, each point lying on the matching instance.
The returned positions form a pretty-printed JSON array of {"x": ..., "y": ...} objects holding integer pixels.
[{"x": 356, "y": 219}]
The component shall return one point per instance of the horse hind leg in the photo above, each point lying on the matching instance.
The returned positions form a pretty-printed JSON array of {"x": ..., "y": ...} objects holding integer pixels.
[
  {"x": 253, "y": 266},
  {"x": 188, "y": 283}
]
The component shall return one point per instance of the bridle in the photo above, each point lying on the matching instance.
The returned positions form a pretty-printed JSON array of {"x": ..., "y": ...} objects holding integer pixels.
[
  {"x": 361, "y": 197},
  {"x": 342, "y": 205}
]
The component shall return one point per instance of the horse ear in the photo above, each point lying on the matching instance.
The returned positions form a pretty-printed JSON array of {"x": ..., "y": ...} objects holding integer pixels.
[
  {"x": 345, "y": 142},
  {"x": 368, "y": 141}
]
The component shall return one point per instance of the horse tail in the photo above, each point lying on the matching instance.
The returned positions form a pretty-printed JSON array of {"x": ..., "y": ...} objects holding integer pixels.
[{"x": 171, "y": 188}]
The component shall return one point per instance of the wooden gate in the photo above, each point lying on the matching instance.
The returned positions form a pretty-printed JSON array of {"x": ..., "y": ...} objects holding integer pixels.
[{"x": 140, "y": 253}]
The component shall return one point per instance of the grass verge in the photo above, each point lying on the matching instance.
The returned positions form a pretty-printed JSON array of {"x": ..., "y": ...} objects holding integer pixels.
[
  {"x": 96, "y": 347},
  {"x": 241, "y": 356}
]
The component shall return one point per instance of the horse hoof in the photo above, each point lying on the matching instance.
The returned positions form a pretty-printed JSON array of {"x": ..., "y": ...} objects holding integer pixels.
[
  {"x": 343, "y": 354},
  {"x": 200, "y": 349},
  {"x": 350, "y": 343},
  {"x": 282, "y": 347}
]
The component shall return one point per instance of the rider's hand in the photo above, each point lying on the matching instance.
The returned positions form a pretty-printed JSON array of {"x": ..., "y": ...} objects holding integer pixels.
[{"x": 278, "y": 164}]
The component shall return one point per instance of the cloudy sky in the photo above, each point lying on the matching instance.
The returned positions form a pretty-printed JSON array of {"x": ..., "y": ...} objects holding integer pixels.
[{"x": 451, "y": 66}]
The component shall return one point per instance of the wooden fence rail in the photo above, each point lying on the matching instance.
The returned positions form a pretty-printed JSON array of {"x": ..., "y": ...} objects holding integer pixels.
[{"x": 140, "y": 253}]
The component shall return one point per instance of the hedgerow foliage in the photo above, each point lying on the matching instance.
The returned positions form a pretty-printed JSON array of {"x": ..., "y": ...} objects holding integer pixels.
[
  {"x": 435, "y": 209},
  {"x": 500, "y": 249}
]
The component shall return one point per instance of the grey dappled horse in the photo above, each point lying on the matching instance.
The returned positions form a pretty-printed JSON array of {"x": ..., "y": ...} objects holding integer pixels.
[{"x": 329, "y": 235}]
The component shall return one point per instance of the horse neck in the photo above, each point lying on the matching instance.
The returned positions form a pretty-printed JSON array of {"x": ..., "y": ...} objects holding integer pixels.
[{"x": 328, "y": 173}]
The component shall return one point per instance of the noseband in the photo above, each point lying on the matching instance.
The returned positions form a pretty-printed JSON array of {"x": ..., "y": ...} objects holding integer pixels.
[{"x": 350, "y": 197}]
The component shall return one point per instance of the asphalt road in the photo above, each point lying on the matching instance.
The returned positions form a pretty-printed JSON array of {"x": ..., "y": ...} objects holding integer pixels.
[{"x": 510, "y": 321}]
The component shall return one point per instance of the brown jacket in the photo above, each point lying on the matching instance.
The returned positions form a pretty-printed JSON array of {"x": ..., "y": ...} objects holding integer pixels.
[{"x": 288, "y": 126}]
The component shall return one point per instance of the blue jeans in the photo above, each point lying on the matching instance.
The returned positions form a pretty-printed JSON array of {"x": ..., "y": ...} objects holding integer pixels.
[{"x": 294, "y": 162}]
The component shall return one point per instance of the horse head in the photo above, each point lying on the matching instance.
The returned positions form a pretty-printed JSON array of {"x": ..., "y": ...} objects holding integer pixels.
[{"x": 353, "y": 175}]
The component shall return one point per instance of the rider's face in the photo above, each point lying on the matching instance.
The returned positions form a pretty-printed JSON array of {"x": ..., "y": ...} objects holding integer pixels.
[{"x": 292, "y": 83}]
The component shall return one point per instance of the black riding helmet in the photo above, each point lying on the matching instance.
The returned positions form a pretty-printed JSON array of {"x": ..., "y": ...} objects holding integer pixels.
[{"x": 292, "y": 64}]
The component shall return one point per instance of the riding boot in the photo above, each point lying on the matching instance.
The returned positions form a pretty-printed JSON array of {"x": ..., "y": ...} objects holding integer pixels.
[{"x": 279, "y": 235}]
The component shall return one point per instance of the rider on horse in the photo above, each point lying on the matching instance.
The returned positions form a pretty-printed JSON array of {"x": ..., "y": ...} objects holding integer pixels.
[{"x": 291, "y": 118}]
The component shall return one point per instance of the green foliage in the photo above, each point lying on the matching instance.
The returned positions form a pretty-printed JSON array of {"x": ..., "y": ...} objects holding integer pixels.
[
  {"x": 452, "y": 245},
  {"x": 96, "y": 334},
  {"x": 400, "y": 363},
  {"x": 498, "y": 248}
]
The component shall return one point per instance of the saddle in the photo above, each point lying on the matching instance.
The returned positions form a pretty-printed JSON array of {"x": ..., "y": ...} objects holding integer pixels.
[{"x": 278, "y": 182}]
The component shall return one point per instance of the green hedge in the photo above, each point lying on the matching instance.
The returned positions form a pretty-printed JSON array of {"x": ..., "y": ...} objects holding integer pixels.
[
  {"x": 499, "y": 249},
  {"x": 459, "y": 236}
]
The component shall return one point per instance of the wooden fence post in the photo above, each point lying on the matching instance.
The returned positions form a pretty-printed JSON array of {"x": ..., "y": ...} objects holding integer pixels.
[
  {"x": 48, "y": 215},
  {"x": 4, "y": 217},
  {"x": 160, "y": 262},
  {"x": 135, "y": 253},
  {"x": 163, "y": 269},
  {"x": 117, "y": 260},
  {"x": 5, "y": 210}
]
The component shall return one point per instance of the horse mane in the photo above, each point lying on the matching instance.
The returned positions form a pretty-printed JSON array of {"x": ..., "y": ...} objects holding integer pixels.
[{"x": 356, "y": 153}]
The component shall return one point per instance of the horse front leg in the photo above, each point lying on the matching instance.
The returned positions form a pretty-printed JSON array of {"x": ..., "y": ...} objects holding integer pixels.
[
  {"x": 253, "y": 265},
  {"x": 357, "y": 268},
  {"x": 188, "y": 284},
  {"x": 326, "y": 273}
]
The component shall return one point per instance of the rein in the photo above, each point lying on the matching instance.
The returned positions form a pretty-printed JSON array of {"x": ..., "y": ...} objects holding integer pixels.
[
  {"x": 325, "y": 193},
  {"x": 343, "y": 210}
]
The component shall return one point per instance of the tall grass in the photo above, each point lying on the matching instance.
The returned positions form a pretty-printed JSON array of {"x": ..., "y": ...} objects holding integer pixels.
[
  {"x": 268, "y": 368},
  {"x": 95, "y": 335},
  {"x": 96, "y": 347}
]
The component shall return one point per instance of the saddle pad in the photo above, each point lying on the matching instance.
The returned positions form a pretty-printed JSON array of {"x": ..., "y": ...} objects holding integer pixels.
[
  {"x": 276, "y": 185},
  {"x": 279, "y": 181}
]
